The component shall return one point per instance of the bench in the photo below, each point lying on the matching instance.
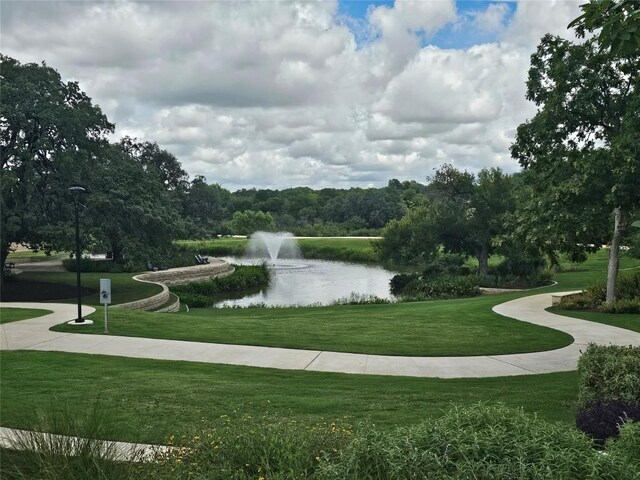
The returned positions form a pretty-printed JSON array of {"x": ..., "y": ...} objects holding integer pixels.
[
  {"x": 200, "y": 260},
  {"x": 8, "y": 268},
  {"x": 556, "y": 298}
]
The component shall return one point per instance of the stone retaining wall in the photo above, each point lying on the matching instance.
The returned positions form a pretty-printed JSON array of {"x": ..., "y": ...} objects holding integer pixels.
[{"x": 175, "y": 276}]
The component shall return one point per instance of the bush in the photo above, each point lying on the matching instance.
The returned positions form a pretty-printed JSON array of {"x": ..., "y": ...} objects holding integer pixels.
[
  {"x": 603, "y": 420},
  {"x": 479, "y": 442},
  {"x": 202, "y": 294},
  {"x": 607, "y": 373},
  {"x": 441, "y": 287},
  {"x": 450, "y": 264},
  {"x": 621, "y": 306},
  {"x": 400, "y": 282},
  {"x": 594, "y": 297},
  {"x": 626, "y": 447},
  {"x": 244, "y": 448}
]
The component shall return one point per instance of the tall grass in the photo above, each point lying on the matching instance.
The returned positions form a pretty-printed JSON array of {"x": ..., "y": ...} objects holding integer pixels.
[{"x": 72, "y": 453}]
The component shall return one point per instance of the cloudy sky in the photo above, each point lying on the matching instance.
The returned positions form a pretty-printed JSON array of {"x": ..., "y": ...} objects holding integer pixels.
[{"x": 280, "y": 94}]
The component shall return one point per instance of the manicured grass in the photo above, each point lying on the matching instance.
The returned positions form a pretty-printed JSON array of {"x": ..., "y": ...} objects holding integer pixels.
[
  {"x": 26, "y": 256},
  {"x": 123, "y": 287},
  {"x": 339, "y": 249},
  {"x": 8, "y": 315},
  {"x": 630, "y": 321},
  {"x": 452, "y": 327},
  {"x": 150, "y": 399}
]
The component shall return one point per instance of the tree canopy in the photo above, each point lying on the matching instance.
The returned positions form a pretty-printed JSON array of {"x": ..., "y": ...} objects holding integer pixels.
[{"x": 580, "y": 150}]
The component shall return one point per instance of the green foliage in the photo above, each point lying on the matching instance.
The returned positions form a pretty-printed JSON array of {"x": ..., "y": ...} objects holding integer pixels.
[
  {"x": 73, "y": 454},
  {"x": 243, "y": 447},
  {"x": 436, "y": 287},
  {"x": 412, "y": 239},
  {"x": 201, "y": 294},
  {"x": 626, "y": 447},
  {"x": 51, "y": 138},
  {"x": 607, "y": 373},
  {"x": 617, "y": 20},
  {"x": 593, "y": 298},
  {"x": 248, "y": 222},
  {"x": 480, "y": 442}
]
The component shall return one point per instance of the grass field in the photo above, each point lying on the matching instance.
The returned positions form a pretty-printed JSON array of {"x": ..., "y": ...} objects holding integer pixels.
[
  {"x": 451, "y": 327},
  {"x": 629, "y": 321},
  {"x": 148, "y": 400},
  {"x": 341, "y": 249},
  {"x": 151, "y": 399},
  {"x": 8, "y": 315},
  {"x": 123, "y": 287}
]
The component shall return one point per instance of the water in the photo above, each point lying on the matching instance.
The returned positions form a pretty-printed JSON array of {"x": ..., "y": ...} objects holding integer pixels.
[
  {"x": 308, "y": 282},
  {"x": 273, "y": 246}
]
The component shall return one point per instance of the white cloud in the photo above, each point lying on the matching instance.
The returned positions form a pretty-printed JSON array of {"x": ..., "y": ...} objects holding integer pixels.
[{"x": 280, "y": 94}]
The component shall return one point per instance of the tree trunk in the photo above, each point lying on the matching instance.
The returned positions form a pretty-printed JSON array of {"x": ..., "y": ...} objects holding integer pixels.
[
  {"x": 483, "y": 260},
  {"x": 614, "y": 256},
  {"x": 4, "y": 253}
]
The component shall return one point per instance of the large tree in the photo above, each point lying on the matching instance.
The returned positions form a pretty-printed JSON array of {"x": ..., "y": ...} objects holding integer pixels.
[
  {"x": 581, "y": 151},
  {"x": 51, "y": 137},
  {"x": 129, "y": 211},
  {"x": 469, "y": 211}
]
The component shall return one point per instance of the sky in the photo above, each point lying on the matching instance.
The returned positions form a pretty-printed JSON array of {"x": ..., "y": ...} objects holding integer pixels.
[{"x": 271, "y": 94}]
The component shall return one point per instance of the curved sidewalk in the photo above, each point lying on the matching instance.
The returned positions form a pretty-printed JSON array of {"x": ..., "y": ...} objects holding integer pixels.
[{"x": 34, "y": 334}]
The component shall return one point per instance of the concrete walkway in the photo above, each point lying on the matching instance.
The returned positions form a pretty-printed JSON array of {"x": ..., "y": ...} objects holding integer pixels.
[
  {"x": 118, "y": 451},
  {"x": 34, "y": 334}
]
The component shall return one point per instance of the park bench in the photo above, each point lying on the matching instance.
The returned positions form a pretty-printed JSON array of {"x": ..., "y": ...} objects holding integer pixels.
[
  {"x": 200, "y": 260},
  {"x": 154, "y": 268},
  {"x": 556, "y": 298},
  {"x": 8, "y": 268}
]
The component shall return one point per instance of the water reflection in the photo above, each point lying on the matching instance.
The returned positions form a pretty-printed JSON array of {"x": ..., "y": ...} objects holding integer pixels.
[{"x": 309, "y": 282}]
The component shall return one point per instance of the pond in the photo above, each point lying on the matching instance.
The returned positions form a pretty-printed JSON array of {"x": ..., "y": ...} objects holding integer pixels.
[{"x": 300, "y": 282}]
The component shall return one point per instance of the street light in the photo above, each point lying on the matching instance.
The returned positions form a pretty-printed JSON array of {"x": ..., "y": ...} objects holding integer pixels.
[{"x": 77, "y": 190}]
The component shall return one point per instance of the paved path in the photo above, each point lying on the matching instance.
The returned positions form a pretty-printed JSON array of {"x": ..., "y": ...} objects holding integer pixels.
[
  {"x": 119, "y": 451},
  {"x": 34, "y": 334}
]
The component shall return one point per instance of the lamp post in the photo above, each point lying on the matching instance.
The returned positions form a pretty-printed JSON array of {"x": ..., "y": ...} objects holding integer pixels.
[{"x": 77, "y": 190}]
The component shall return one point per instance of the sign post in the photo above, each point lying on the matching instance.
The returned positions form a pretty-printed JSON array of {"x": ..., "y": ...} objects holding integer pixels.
[{"x": 105, "y": 299}]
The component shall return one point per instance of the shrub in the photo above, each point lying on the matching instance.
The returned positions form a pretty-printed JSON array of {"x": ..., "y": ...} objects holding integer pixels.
[
  {"x": 479, "y": 442},
  {"x": 626, "y": 447},
  {"x": 602, "y": 420},
  {"x": 594, "y": 297},
  {"x": 607, "y": 373},
  {"x": 439, "y": 287},
  {"x": 202, "y": 294},
  {"x": 246, "y": 448},
  {"x": 631, "y": 305},
  {"x": 447, "y": 264},
  {"x": 402, "y": 281}
]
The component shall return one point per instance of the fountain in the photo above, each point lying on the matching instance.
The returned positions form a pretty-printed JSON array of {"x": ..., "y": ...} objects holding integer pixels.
[{"x": 273, "y": 246}]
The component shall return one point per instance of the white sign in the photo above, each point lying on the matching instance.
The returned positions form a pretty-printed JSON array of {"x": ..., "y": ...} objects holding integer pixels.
[{"x": 105, "y": 291}]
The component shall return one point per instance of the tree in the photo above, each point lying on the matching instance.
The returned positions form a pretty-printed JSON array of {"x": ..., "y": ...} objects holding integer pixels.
[
  {"x": 619, "y": 21},
  {"x": 128, "y": 210},
  {"x": 248, "y": 222},
  {"x": 581, "y": 148},
  {"x": 51, "y": 136},
  {"x": 206, "y": 206},
  {"x": 469, "y": 212},
  {"x": 411, "y": 239}
]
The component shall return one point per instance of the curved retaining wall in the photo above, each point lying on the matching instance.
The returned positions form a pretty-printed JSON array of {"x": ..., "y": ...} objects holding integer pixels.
[{"x": 175, "y": 276}]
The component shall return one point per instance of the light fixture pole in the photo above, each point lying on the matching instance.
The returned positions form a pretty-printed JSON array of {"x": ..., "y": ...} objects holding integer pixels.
[{"x": 77, "y": 190}]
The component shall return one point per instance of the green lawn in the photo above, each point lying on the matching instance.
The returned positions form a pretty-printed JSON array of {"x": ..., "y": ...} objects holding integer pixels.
[
  {"x": 26, "y": 256},
  {"x": 629, "y": 321},
  {"x": 123, "y": 287},
  {"x": 147, "y": 400},
  {"x": 8, "y": 315},
  {"x": 451, "y": 327}
]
